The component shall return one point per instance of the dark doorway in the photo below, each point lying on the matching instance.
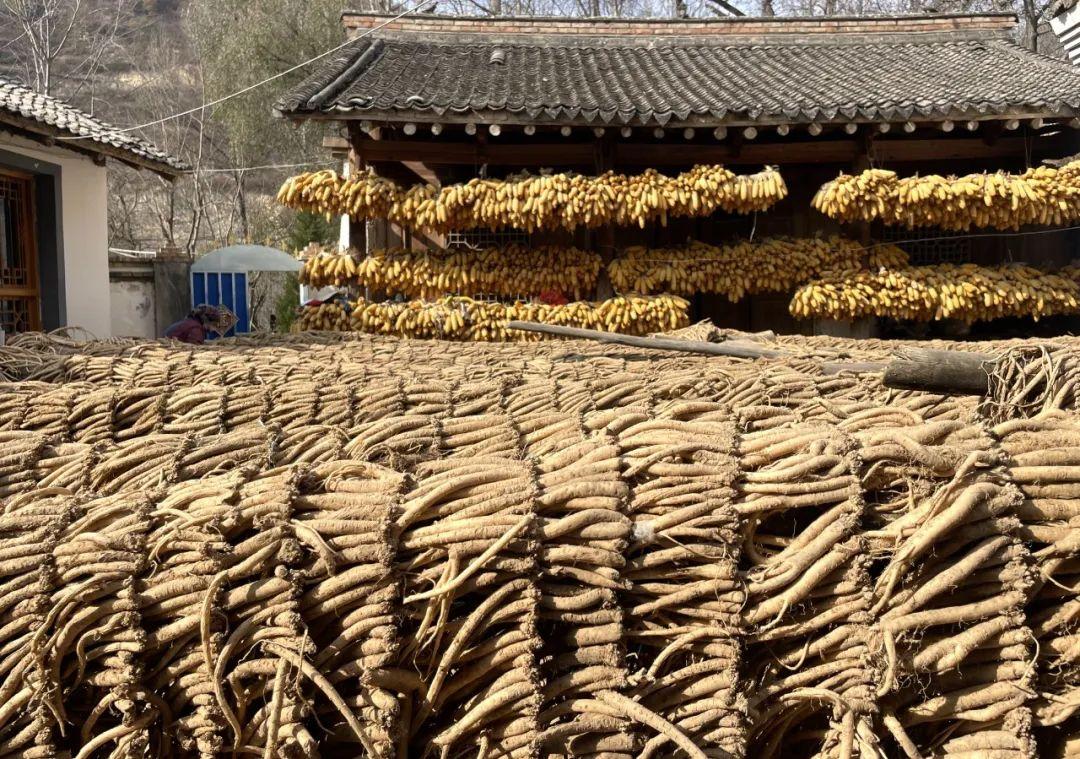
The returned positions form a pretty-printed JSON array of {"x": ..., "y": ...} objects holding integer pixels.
[{"x": 20, "y": 302}]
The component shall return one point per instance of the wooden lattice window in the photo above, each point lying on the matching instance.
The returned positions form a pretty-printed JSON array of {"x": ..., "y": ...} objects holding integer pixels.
[
  {"x": 931, "y": 246},
  {"x": 487, "y": 238},
  {"x": 20, "y": 303}
]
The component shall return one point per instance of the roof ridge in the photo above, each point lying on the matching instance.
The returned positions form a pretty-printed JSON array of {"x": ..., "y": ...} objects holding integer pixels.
[
  {"x": 584, "y": 41},
  {"x": 654, "y": 19},
  {"x": 542, "y": 25}
]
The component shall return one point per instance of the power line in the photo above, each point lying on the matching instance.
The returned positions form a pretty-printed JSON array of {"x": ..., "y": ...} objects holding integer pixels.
[
  {"x": 266, "y": 81},
  {"x": 268, "y": 167}
]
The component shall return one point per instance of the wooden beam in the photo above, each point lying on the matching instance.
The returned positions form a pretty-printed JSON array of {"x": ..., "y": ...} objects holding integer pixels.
[
  {"x": 424, "y": 172},
  {"x": 463, "y": 153},
  {"x": 536, "y": 154}
]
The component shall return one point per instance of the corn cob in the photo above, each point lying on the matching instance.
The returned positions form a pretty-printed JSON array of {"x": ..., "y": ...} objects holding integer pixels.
[
  {"x": 966, "y": 292},
  {"x": 326, "y": 317},
  {"x": 1042, "y": 195},
  {"x": 532, "y": 202},
  {"x": 776, "y": 264},
  {"x": 460, "y": 318},
  {"x": 502, "y": 272}
]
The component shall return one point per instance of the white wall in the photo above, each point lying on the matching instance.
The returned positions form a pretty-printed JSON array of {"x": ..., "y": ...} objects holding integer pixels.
[
  {"x": 132, "y": 308},
  {"x": 85, "y": 208}
]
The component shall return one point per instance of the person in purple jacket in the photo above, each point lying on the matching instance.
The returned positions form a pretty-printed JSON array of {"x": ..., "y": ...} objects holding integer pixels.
[{"x": 194, "y": 327}]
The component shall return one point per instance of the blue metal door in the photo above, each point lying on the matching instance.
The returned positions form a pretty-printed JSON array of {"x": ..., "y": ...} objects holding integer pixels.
[{"x": 229, "y": 289}]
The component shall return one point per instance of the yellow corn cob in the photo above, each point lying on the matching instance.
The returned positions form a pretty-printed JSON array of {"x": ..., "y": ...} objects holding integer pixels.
[
  {"x": 966, "y": 292},
  {"x": 532, "y": 202}
]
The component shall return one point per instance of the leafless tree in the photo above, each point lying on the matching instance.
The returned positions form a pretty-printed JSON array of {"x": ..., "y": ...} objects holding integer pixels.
[{"x": 64, "y": 44}]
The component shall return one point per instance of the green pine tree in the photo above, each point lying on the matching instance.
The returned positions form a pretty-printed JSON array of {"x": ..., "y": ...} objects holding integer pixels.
[
  {"x": 288, "y": 303},
  {"x": 308, "y": 228}
]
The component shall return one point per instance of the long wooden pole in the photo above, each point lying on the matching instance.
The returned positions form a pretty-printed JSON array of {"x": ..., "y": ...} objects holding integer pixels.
[
  {"x": 947, "y": 372},
  {"x": 731, "y": 349}
]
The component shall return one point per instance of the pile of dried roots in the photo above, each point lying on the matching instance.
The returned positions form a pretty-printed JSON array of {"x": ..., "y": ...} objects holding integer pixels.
[{"x": 389, "y": 549}]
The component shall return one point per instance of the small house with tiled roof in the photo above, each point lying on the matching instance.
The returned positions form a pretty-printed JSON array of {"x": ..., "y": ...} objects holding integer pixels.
[
  {"x": 54, "y": 268},
  {"x": 441, "y": 99}
]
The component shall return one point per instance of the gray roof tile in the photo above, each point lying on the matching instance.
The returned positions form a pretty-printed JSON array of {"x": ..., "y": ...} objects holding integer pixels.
[
  {"x": 636, "y": 80},
  {"x": 60, "y": 119}
]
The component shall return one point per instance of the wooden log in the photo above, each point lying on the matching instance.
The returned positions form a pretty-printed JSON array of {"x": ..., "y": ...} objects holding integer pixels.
[
  {"x": 731, "y": 349},
  {"x": 932, "y": 371},
  {"x": 948, "y": 372}
]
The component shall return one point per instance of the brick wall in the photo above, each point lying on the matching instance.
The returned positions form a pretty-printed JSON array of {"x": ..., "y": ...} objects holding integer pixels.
[{"x": 434, "y": 24}]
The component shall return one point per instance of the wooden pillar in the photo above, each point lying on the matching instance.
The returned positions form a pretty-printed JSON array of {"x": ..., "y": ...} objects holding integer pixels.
[
  {"x": 604, "y": 240},
  {"x": 358, "y": 228},
  {"x": 861, "y": 164},
  {"x": 866, "y": 327}
]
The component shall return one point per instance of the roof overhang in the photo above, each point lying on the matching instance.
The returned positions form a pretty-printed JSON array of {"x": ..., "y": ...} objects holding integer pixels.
[
  {"x": 99, "y": 152},
  {"x": 375, "y": 118}
]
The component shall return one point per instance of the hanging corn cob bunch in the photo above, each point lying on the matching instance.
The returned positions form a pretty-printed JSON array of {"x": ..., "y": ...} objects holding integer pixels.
[
  {"x": 326, "y": 317},
  {"x": 966, "y": 292},
  {"x": 532, "y": 202},
  {"x": 326, "y": 192},
  {"x": 326, "y": 268},
  {"x": 460, "y": 318},
  {"x": 774, "y": 264},
  {"x": 512, "y": 271},
  {"x": 1041, "y": 195},
  {"x": 746, "y": 268}
]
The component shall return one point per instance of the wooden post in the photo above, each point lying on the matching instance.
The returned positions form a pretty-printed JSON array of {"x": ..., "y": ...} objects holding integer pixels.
[
  {"x": 604, "y": 240},
  {"x": 358, "y": 228},
  {"x": 861, "y": 164}
]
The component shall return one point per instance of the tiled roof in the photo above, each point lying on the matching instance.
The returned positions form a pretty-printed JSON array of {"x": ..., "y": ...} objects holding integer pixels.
[
  {"x": 1057, "y": 7},
  {"x": 695, "y": 77},
  {"x": 42, "y": 114}
]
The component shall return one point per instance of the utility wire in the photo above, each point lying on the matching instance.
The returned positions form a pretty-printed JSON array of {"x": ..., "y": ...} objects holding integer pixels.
[
  {"x": 240, "y": 169},
  {"x": 268, "y": 80}
]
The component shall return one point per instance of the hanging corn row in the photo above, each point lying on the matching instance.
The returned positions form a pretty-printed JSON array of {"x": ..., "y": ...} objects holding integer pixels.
[
  {"x": 534, "y": 202},
  {"x": 1041, "y": 195},
  {"x": 570, "y": 557},
  {"x": 966, "y": 292},
  {"x": 466, "y": 319},
  {"x": 773, "y": 264},
  {"x": 511, "y": 271},
  {"x": 769, "y": 265}
]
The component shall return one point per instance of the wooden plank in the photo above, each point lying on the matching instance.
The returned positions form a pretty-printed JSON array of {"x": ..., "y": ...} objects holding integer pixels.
[
  {"x": 900, "y": 151},
  {"x": 738, "y": 152},
  {"x": 424, "y": 172}
]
